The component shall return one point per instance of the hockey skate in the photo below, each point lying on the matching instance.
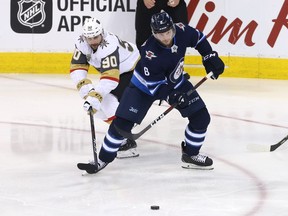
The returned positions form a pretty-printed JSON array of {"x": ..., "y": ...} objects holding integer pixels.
[
  {"x": 127, "y": 149},
  {"x": 199, "y": 161},
  {"x": 90, "y": 167}
]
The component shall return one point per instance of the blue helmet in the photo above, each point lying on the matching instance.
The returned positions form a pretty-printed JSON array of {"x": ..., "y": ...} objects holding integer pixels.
[{"x": 161, "y": 22}]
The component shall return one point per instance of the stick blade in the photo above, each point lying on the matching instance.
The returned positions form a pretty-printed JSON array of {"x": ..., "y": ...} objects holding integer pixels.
[
  {"x": 88, "y": 167},
  {"x": 127, "y": 135},
  {"x": 258, "y": 148},
  {"x": 266, "y": 148}
]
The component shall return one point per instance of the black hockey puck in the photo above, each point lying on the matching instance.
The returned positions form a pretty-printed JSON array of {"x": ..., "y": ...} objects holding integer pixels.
[{"x": 155, "y": 207}]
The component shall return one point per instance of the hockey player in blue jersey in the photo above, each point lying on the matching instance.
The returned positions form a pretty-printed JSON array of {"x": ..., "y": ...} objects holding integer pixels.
[{"x": 159, "y": 76}]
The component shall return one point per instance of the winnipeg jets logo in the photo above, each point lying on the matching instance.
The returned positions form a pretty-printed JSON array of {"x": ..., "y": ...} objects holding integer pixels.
[
  {"x": 150, "y": 55},
  {"x": 134, "y": 110},
  {"x": 31, "y": 12},
  {"x": 177, "y": 72},
  {"x": 181, "y": 26}
]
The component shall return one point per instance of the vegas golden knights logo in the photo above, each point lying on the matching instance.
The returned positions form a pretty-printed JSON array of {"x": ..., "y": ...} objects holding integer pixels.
[{"x": 31, "y": 16}]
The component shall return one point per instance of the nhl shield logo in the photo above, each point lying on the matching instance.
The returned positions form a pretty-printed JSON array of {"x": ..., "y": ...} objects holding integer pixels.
[
  {"x": 31, "y": 12},
  {"x": 31, "y": 16}
]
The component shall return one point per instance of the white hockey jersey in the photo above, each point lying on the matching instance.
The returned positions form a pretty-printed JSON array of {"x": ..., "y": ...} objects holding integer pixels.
[
  {"x": 112, "y": 58},
  {"x": 112, "y": 53}
]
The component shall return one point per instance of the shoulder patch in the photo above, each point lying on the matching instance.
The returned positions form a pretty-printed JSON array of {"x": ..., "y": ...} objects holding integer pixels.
[
  {"x": 104, "y": 43},
  {"x": 150, "y": 54},
  {"x": 81, "y": 39},
  {"x": 181, "y": 26}
]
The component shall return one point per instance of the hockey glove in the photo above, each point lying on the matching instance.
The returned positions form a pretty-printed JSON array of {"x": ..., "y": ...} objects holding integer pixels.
[
  {"x": 93, "y": 101},
  {"x": 180, "y": 98},
  {"x": 213, "y": 63},
  {"x": 84, "y": 86}
]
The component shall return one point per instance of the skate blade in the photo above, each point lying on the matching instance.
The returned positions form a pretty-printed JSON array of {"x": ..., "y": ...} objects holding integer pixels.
[
  {"x": 195, "y": 167},
  {"x": 127, "y": 154}
]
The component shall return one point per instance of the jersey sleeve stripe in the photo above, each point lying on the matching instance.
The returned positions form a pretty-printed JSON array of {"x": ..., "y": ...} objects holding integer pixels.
[{"x": 149, "y": 87}]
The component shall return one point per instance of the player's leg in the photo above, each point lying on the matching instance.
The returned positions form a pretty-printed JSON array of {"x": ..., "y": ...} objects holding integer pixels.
[
  {"x": 195, "y": 132},
  {"x": 128, "y": 148},
  {"x": 132, "y": 109}
]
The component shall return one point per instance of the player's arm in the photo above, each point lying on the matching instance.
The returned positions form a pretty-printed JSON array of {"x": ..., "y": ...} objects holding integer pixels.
[
  {"x": 109, "y": 80},
  {"x": 148, "y": 77},
  {"x": 110, "y": 74},
  {"x": 78, "y": 73},
  {"x": 210, "y": 58}
]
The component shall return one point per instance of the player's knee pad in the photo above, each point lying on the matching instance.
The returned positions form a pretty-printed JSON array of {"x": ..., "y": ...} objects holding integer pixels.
[{"x": 199, "y": 120}]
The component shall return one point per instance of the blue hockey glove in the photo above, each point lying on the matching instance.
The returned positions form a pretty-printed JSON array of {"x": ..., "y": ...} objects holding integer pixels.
[
  {"x": 213, "y": 63},
  {"x": 180, "y": 98}
]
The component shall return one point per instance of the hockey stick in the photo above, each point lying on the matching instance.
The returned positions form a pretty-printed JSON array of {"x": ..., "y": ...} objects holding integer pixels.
[
  {"x": 267, "y": 148},
  {"x": 137, "y": 135},
  {"x": 94, "y": 147},
  {"x": 89, "y": 167}
]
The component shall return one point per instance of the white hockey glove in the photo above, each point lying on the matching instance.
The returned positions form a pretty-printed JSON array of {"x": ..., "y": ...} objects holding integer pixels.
[{"x": 93, "y": 100}]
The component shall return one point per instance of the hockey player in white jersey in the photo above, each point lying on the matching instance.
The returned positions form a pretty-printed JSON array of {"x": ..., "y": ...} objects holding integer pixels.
[{"x": 115, "y": 59}]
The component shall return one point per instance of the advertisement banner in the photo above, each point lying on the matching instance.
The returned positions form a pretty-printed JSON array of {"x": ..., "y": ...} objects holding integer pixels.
[{"x": 255, "y": 32}]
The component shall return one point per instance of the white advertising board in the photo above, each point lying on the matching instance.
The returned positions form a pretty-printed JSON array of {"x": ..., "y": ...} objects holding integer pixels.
[
  {"x": 67, "y": 18},
  {"x": 243, "y": 28},
  {"x": 237, "y": 28}
]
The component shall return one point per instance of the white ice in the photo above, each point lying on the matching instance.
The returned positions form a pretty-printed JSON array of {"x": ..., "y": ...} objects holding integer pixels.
[{"x": 44, "y": 133}]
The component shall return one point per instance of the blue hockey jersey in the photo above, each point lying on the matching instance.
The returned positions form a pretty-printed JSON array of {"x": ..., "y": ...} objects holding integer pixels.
[{"x": 161, "y": 65}]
